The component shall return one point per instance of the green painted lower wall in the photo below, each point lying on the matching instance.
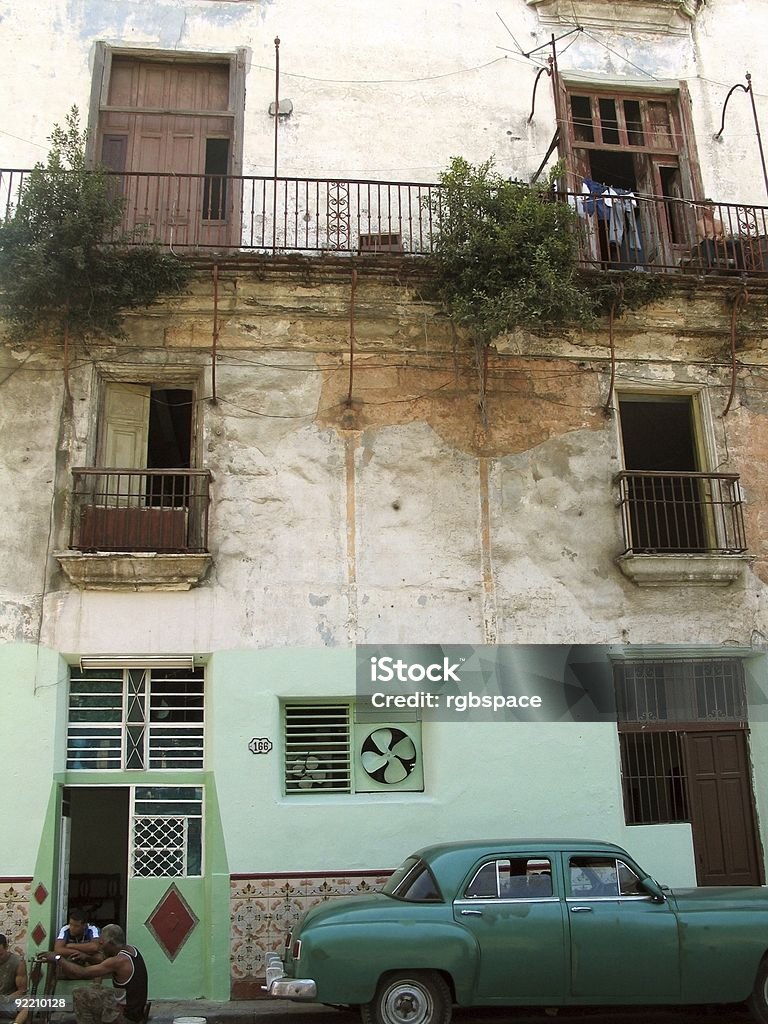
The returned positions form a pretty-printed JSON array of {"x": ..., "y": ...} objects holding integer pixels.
[
  {"x": 481, "y": 779},
  {"x": 488, "y": 779}
]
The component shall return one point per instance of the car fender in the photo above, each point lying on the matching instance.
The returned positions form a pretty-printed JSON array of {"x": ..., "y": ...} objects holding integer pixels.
[{"x": 347, "y": 961}]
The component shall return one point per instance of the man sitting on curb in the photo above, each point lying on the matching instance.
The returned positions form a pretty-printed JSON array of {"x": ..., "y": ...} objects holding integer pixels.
[
  {"x": 13, "y": 984},
  {"x": 122, "y": 1004}
]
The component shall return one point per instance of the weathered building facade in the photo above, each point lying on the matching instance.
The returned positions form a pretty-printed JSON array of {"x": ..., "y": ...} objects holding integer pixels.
[{"x": 302, "y": 454}]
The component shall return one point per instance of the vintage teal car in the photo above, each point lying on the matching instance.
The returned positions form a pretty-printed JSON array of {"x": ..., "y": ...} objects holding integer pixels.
[{"x": 534, "y": 922}]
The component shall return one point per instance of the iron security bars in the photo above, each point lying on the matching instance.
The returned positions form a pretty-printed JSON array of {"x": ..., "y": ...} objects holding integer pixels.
[
  {"x": 667, "y": 693},
  {"x": 135, "y": 718},
  {"x": 681, "y": 513},
  {"x": 317, "y": 740},
  {"x": 166, "y": 831},
  {"x": 156, "y": 510}
]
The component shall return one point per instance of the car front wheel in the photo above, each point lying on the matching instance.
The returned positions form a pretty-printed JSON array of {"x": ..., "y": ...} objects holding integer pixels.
[
  {"x": 758, "y": 1001},
  {"x": 418, "y": 997}
]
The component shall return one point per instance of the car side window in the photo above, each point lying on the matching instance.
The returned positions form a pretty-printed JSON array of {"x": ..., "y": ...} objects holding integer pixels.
[
  {"x": 414, "y": 882},
  {"x": 511, "y": 879},
  {"x": 593, "y": 876},
  {"x": 485, "y": 884},
  {"x": 629, "y": 883}
]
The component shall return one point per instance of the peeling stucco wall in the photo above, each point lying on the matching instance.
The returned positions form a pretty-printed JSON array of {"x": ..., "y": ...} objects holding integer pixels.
[
  {"x": 399, "y": 101},
  {"x": 398, "y": 516}
]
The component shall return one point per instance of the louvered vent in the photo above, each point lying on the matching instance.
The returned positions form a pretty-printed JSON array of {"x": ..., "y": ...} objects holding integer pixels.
[
  {"x": 317, "y": 746},
  {"x": 381, "y": 242}
]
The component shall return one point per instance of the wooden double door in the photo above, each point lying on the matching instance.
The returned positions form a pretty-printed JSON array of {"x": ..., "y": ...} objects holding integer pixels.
[{"x": 167, "y": 129}]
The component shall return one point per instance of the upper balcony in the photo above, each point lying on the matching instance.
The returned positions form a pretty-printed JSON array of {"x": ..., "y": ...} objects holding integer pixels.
[
  {"x": 681, "y": 527},
  {"x": 138, "y": 529},
  {"x": 223, "y": 215}
]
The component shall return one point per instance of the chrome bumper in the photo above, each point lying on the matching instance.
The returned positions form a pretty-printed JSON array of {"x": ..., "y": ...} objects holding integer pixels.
[{"x": 280, "y": 987}]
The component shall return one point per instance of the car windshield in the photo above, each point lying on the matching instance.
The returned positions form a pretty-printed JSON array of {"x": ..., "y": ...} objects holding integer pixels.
[{"x": 413, "y": 881}]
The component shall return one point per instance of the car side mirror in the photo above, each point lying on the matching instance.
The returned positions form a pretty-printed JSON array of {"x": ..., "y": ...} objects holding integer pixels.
[{"x": 654, "y": 890}]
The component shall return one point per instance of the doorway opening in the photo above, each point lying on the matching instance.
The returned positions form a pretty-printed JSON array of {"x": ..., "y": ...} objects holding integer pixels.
[
  {"x": 93, "y": 861},
  {"x": 666, "y": 506}
]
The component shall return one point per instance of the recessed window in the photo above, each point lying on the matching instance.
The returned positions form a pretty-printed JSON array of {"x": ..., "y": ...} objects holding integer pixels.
[
  {"x": 659, "y": 704},
  {"x": 687, "y": 691},
  {"x": 329, "y": 748},
  {"x": 144, "y": 493},
  {"x": 215, "y": 183},
  {"x": 136, "y": 718},
  {"x": 634, "y": 156}
]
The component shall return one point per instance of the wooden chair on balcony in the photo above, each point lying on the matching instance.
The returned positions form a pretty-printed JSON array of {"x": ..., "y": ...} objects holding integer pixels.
[{"x": 715, "y": 250}]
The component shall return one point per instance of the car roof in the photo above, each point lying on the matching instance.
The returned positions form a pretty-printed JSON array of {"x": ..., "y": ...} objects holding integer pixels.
[
  {"x": 482, "y": 846},
  {"x": 451, "y": 861}
]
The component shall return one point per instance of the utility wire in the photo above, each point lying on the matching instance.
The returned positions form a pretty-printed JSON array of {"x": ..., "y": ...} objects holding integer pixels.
[{"x": 378, "y": 81}]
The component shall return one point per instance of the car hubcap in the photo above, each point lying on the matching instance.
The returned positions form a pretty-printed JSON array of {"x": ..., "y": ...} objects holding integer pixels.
[{"x": 407, "y": 1003}]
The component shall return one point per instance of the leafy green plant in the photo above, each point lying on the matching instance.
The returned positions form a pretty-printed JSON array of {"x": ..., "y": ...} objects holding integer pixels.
[
  {"x": 66, "y": 267},
  {"x": 506, "y": 256},
  {"x": 505, "y": 252}
]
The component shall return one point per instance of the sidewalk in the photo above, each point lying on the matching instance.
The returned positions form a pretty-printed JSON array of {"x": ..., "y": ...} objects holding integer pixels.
[
  {"x": 208, "y": 1011},
  {"x": 166, "y": 1011},
  {"x": 257, "y": 1011}
]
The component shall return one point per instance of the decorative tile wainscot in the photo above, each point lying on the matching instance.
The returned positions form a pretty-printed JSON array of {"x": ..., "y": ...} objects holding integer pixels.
[{"x": 263, "y": 908}]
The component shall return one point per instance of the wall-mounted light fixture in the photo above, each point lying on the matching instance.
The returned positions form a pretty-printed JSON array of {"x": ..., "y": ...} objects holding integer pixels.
[{"x": 137, "y": 661}]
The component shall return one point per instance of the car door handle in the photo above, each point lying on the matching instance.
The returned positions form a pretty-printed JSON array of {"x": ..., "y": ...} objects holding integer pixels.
[
  {"x": 471, "y": 913},
  {"x": 581, "y": 910}
]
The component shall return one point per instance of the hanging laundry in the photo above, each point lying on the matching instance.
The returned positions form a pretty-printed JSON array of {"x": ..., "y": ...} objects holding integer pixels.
[{"x": 612, "y": 216}]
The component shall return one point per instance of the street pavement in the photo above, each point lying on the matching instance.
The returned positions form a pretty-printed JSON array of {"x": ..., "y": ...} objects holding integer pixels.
[{"x": 256, "y": 1011}]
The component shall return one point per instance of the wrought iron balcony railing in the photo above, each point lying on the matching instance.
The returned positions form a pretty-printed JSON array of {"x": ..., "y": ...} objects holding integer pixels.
[
  {"x": 641, "y": 232},
  {"x": 681, "y": 513},
  {"x": 228, "y": 214},
  {"x": 157, "y": 510}
]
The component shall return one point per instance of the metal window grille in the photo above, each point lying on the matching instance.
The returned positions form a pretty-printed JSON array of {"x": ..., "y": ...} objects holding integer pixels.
[
  {"x": 653, "y": 777},
  {"x": 135, "y": 719},
  {"x": 680, "y": 690},
  {"x": 657, "y": 703},
  {"x": 681, "y": 512},
  {"x": 317, "y": 748},
  {"x": 166, "y": 832}
]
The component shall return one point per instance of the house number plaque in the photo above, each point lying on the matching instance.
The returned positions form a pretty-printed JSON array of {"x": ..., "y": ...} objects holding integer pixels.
[{"x": 260, "y": 745}]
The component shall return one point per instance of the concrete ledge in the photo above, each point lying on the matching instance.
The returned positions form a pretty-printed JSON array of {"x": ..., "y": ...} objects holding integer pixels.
[
  {"x": 128, "y": 570},
  {"x": 689, "y": 570},
  {"x": 659, "y": 16}
]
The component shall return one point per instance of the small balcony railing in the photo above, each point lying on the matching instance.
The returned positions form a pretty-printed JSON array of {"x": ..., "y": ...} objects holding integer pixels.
[
  {"x": 155, "y": 510},
  {"x": 681, "y": 513},
  {"x": 231, "y": 214},
  {"x": 644, "y": 232}
]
